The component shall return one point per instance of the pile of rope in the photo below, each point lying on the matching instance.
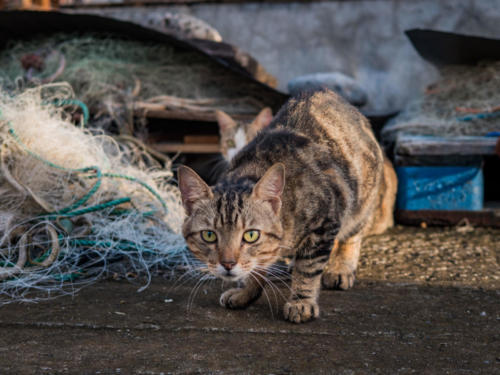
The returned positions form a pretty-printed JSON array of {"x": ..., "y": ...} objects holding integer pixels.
[
  {"x": 76, "y": 205},
  {"x": 465, "y": 101}
]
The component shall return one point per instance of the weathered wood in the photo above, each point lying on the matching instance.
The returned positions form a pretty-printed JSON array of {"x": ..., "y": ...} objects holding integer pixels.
[
  {"x": 110, "y": 3},
  {"x": 429, "y": 145},
  {"x": 201, "y": 139},
  {"x": 236, "y": 58},
  {"x": 189, "y": 116},
  {"x": 186, "y": 148},
  {"x": 436, "y": 160},
  {"x": 483, "y": 218}
]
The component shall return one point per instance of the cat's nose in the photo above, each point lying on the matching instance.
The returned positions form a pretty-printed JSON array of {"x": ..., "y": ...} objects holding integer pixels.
[{"x": 228, "y": 265}]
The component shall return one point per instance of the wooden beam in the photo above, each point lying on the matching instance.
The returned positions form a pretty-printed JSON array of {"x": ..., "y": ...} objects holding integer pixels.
[
  {"x": 189, "y": 116},
  {"x": 186, "y": 148},
  {"x": 483, "y": 218},
  {"x": 201, "y": 139},
  {"x": 428, "y": 145},
  {"x": 108, "y": 3},
  {"x": 45, "y": 5}
]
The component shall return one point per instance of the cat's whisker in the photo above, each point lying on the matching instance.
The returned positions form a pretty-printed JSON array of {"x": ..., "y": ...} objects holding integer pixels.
[
  {"x": 277, "y": 270},
  {"x": 256, "y": 278},
  {"x": 187, "y": 280},
  {"x": 189, "y": 275},
  {"x": 267, "y": 280},
  {"x": 195, "y": 290},
  {"x": 266, "y": 270},
  {"x": 274, "y": 271},
  {"x": 200, "y": 280}
]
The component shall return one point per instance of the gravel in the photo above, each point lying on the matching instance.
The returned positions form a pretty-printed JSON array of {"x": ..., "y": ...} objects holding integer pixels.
[{"x": 460, "y": 256}]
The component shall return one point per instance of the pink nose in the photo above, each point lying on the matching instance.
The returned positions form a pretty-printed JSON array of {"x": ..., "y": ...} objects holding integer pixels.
[{"x": 228, "y": 265}]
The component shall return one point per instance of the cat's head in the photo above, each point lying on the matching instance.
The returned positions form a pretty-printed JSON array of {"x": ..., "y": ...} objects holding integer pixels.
[
  {"x": 235, "y": 135},
  {"x": 235, "y": 229}
]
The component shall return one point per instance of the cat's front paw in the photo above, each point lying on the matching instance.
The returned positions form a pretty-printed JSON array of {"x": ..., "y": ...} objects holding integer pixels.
[
  {"x": 300, "y": 311},
  {"x": 236, "y": 298},
  {"x": 338, "y": 277}
]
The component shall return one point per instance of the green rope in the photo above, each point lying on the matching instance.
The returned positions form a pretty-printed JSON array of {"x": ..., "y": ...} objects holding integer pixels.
[
  {"x": 72, "y": 210},
  {"x": 82, "y": 105},
  {"x": 87, "y": 196},
  {"x": 66, "y": 102},
  {"x": 142, "y": 183},
  {"x": 83, "y": 211},
  {"x": 98, "y": 175}
]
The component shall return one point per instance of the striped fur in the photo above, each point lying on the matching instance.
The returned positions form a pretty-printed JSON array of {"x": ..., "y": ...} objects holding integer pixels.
[{"x": 335, "y": 182}]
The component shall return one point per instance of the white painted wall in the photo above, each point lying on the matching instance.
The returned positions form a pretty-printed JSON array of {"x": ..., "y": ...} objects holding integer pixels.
[{"x": 362, "y": 38}]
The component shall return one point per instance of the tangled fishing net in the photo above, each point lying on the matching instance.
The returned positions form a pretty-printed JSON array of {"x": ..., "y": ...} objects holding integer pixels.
[
  {"x": 466, "y": 101},
  {"x": 75, "y": 205},
  {"x": 121, "y": 79}
]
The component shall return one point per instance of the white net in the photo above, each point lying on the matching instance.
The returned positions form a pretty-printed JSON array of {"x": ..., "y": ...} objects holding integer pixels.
[
  {"x": 76, "y": 205},
  {"x": 465, "y": 101}
]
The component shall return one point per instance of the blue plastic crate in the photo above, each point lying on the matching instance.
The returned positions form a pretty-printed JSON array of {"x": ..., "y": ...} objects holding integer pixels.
[{"x": 440, "y": 188}]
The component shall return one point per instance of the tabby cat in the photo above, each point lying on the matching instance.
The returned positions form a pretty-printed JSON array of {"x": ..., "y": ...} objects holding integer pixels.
[
  {"x": 338, "y": 189},
  {"x": 235, "y": 135}
]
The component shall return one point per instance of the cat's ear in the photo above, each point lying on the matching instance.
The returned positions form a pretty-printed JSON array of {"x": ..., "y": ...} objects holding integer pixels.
[
  {"x": 225, "y": 121},
  {"x": 192, "y": 188},
  {"x": 262, "y": 120},
  {"x": 270, "y": 187}
]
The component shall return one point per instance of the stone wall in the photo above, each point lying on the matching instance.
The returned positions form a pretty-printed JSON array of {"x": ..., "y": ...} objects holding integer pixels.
[{"x": 362, "y": 38}]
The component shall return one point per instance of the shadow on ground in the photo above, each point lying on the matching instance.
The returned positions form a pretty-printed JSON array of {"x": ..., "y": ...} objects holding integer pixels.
[{"x": 377, "y": 327}]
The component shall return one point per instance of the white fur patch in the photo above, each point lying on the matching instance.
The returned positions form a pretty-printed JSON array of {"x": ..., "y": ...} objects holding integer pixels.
[
  {"x": 237, "y": 273},
  {"x": 240, "y": 140}
]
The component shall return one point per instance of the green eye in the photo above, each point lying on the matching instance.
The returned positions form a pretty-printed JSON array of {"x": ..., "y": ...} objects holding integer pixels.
[
  {"x": 208, "y": 236},
  {"x": 251, "y": 236},
  {"x": 230, "y": 143}
]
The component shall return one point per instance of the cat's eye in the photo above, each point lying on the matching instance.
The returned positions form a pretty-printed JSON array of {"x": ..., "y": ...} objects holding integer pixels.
[
  {"x": 251, "y": 236},
  {"x": 230, "y": 143},
  {"x": 208, "y": 236}
]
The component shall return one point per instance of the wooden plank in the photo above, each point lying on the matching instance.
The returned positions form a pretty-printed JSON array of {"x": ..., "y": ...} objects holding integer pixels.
[
  {"x": 110, "y": 3},
  {"x": 186, "y": 148},
  {"x": 189, "y": 116},
  {"x": 45, "y": 5},
  {"x": 201, "y": 139},
  {"x": 441, "y": 146},
  {"x": 436, "y": 160},
  {"x": 483, "y": 218}
]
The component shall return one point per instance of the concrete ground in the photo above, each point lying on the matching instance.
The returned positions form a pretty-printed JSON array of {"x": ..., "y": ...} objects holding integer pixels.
[{"x": 410, "y": 312}]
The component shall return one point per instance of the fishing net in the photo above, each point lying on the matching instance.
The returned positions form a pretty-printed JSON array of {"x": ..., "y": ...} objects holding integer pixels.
[
  {"x": 76, "y": 205},
  {"x": 119, "y": 79},
  {"x": 465, "y": 101}
]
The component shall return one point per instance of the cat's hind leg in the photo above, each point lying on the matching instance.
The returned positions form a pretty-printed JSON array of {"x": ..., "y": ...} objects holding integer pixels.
[{"x": 340, "y": 271}]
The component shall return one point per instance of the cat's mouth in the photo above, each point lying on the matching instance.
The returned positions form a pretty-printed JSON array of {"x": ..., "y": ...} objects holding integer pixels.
[
  {"x": 228, "y": 276},
  {"x": 234, "y": 274}
]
